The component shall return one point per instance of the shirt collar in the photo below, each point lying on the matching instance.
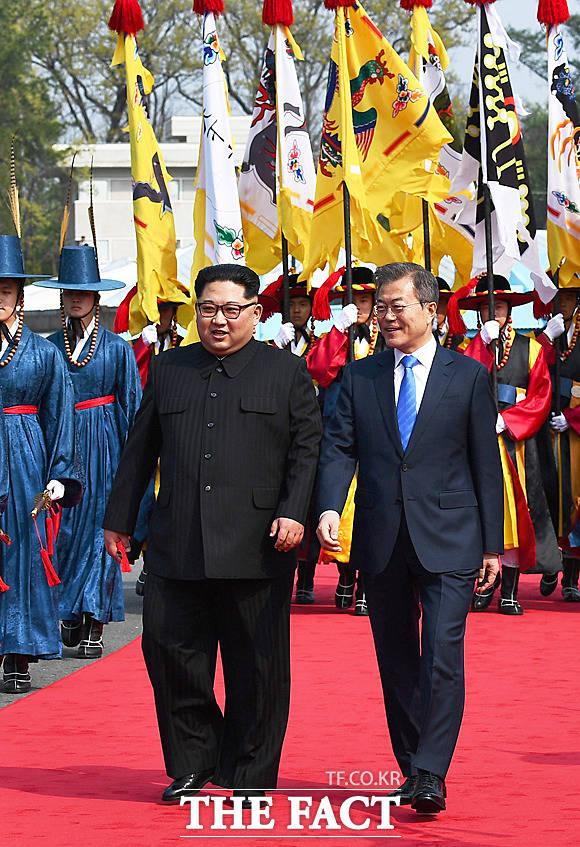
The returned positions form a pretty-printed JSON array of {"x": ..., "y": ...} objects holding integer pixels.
[
  {"x": 232, "y": 364},
  {"x": 424, "y": 354}
]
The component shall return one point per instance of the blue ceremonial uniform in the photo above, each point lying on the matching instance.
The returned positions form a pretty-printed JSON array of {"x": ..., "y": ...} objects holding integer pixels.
[
  {"x": 91, "y": 579},
  {"x": 40, "y": 446}
]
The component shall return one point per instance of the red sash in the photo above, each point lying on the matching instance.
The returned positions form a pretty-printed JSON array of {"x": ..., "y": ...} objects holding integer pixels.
[
  {"x": 94, "y": 402},
  {"x": 21, "y": 410}
]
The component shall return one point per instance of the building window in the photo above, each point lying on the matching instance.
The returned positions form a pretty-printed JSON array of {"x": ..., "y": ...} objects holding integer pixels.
[
  {"x": 187, "y": 189},
  {"x": 174, "y": 189},
  {"x": 100, "y": 190},
  {"x": 121, "y": 189}
]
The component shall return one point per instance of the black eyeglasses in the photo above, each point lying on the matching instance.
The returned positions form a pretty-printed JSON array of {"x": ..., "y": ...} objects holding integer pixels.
[{"x": 230, "y": 311}]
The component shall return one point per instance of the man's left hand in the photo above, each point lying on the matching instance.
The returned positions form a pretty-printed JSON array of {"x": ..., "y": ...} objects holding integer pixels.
[
  {"x": 290, "y": 533},
  {"x": 488, "y": 572}
]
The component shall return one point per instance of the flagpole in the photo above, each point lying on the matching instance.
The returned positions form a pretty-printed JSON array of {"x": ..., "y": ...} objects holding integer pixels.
[
  {"x": 426, "y": 235},
  {"x": 558, "y": 348},
  {"x": 490, "y": 282},
  {"x": 285, "y": 282},
  {"x": 348, "y": 264}
]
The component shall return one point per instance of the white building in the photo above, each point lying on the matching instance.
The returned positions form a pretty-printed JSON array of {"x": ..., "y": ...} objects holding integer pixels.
[{"x": 112, "y": 192}]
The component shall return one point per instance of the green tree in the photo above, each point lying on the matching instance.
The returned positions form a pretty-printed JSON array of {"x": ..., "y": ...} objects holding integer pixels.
[
  {"x": 77, "y": 47},
  {"x": 28, "y": 114}
]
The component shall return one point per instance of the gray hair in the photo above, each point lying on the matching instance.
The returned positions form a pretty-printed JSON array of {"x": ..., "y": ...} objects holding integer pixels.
[{"x": 425, "y": 284}]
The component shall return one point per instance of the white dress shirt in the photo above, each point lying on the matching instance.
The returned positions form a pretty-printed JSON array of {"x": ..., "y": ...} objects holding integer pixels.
[
  {"x": 12, "y": 329},
  {"x": 425, "y": 356},
  {"x": 81, "y": 343}
]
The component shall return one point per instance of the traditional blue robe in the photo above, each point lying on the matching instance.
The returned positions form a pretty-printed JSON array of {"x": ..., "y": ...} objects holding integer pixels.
[
  {"x": 4, "y": 482},
  {"x": 91, "y": 579},
  {"x": 40, "y": 447}
]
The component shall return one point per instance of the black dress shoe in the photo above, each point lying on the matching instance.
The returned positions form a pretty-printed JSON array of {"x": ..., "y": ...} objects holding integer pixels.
[
  {"x": 405, "y": 791},
  {"x": 186, "y": 786},
  {"x": 16, "y": 678},
  {"x": 429, "y": 795},
  {"x": 360, "y": 607},
  {"x": 548, "y": 584},
  {"x": 140, "y": 584},
  {"x": 246, "y": 793}
]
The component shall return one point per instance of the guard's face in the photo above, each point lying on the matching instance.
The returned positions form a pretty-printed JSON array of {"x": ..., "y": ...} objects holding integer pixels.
[
  {"x": 78, "y": 304},
  {"x": 568, "y": 303},
  {"x": 407, "y": 324},
  {"x": 218, "y": 334},
  {"x": 502, "y": 310},
  {"x": 441, "y": 312},
  {"x": 9, "y": 289},
  {"x": 166, "y": 315},
  {"x": 364, "y": 301},
  {"x": 300, "y": 309}
]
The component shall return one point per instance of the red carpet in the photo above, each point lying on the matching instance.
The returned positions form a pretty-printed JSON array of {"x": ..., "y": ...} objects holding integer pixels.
[{"x": 81, "y": 763}]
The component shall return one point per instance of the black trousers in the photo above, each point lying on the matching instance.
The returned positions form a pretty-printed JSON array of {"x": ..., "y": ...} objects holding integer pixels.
[
  {"x": 183, "y": 624},
  {"x": 421, "y": 673}
]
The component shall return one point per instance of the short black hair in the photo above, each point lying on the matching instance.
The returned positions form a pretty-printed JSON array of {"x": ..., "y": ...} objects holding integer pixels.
[
  {"x": 424, "y": 282},
  {"x": 240, "y": 274}
]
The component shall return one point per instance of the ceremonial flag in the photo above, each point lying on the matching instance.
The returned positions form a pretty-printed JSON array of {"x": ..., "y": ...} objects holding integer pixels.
[
  {"x": 152, "y": 212},
  {"x": 429, "y": 60},
  {"x": 563, "y": 163},
  {"x": 379, "y": 128},
  {"x": 277, "y": 181},
  {"x": 217, "y": 221},
  {"x": 493, "y": 154}
]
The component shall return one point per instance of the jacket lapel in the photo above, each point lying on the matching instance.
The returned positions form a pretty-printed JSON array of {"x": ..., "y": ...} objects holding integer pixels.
[
  {"x": 437, "y": 383},
  {"x": 385, "y": 388}
]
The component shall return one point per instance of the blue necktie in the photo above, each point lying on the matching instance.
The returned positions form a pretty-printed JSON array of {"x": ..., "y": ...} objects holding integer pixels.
[{"x": 407, "y": 403}]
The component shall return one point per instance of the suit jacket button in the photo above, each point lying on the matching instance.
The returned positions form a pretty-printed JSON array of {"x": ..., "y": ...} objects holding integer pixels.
[
  {"x": 207, "y": 488},
  {"x": 403, "y": 466},
  {"x": 207, "y": 456},
  {"x": 210, "y": 425},
  {"x": 399, "y": 500},
  {"x": 213, "y": 394}
]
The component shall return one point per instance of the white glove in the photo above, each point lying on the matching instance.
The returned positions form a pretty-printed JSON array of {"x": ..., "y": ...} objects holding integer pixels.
[
  {"x": 555, "y": 327},
  {"x": 559, "y": 423},
  {"x": 56, "y": 489},
  {"x": 149, "y": 335},
  {"x": 500, "y": 424},
  {"x": 346, "y": 317},
  {"x": 286, "y": 334},
  {"x": 435, "y": 324},
  {"x": 489, "y": 332}
]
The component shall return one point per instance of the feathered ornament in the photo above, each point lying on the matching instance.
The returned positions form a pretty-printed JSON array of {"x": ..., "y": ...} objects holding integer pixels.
[
  {"x": 553, "y": 12},
  {"x": 200, "y": 7},
  {"x": 126, "y": 17},
  {"x": 335, "y": 4},
  {"x": 92, "y": 216},
  {"x": 277, "y": 12},
  {"x": 13, "y": 196},
  {"x": 66, "y": 212}
]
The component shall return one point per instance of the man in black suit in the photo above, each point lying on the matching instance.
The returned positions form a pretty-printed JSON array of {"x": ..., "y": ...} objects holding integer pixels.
[
  {"x": 236, "y": 428},
  {"x": 419, "y": 421}
]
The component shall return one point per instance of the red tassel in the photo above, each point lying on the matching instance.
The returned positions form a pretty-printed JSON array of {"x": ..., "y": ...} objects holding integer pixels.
[
  {"x": 277, "y": 12},
  {"x": 553, "y": 12},
  {"x": 409, "y": 5},
  {"x": 126, "y": 17},
  {"x": 541, "y": 309},
  {"x": 125, "y": 566},
  {"x": 335, "y": 4},
  {"x": 121, "y": 323},
  {"x": 200, "y": 7},
  {"x": 479, "y": 2},
  {"x": 51, "y": 574},
  {"x": 454, "y": 319},
  {"x": 270, "y": 293},
  {"x": 56, "y": 514},
  {"x": 49, "y": 535},
  {"x": 321, "y": 305},
  {"x": 3, "y": 586}
]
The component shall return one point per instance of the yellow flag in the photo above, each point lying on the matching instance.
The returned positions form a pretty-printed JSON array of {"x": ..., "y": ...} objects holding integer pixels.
[
  {"x": 152, "y": 212},
  {"x": 378, "y": 133}
]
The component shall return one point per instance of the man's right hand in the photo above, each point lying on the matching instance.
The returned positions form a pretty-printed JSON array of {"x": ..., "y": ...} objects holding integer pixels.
[
  {"x": 112, "y": 539},
  {"x": 327, "y": 531},
  {"x": 149, "y": 335}
]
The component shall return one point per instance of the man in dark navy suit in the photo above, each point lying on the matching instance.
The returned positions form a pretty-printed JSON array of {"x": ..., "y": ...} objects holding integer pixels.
[{"x": 419, "y": 421}]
